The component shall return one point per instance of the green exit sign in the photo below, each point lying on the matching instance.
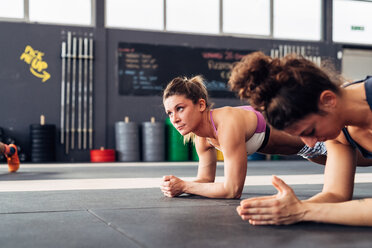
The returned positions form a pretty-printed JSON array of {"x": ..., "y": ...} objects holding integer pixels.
[{"x": 357, "y": 28}]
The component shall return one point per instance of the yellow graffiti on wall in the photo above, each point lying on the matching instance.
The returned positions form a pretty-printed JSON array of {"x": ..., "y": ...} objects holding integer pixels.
[{"x": 35, "y": 60}]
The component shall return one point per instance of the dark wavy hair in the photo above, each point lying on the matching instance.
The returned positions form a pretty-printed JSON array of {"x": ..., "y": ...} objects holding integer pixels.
[{"x": 285, "y": 89}]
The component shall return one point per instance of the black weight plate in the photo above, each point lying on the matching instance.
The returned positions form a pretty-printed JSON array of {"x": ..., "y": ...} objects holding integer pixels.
[
  {"x": 41, "y": 136},
  {"x": 42, "y": 127},
  {"x": 41, "y": 141},
  {"x": 43, "y": 154},
  {"x": 33, "y": 151},
  {"x": 42, "y": 146},
  {"x": 43, "y": 158},
  {"x": 41, "y": 133},
  {"x": 36, "y": 160},
  {"x": 33, "y": 147},
  {"x": 43, "y": 151}
]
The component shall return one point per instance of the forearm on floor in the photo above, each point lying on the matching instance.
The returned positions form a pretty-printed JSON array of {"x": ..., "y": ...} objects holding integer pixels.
[
  {"x": 356, "y": 212},
  {"x": 327, "y": 197},
  {"x": 204, "y": 180},
  {"x": 210, "y": 189}
]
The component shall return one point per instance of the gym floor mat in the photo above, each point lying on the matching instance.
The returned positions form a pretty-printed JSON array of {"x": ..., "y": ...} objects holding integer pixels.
[{"x": 121, "y": 205}]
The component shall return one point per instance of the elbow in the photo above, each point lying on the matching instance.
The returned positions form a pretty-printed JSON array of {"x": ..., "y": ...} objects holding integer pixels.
[
  {"x": 237, "y": 195},
  {"x": 204, "y": 179},
  {"x": 334, "y": 197},
  {"x": 234, "y": 192},
  {"x": 347, "y": 196}
]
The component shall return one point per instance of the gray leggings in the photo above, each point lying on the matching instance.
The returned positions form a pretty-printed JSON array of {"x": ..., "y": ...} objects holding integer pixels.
[{"x": 312, "y": 152}]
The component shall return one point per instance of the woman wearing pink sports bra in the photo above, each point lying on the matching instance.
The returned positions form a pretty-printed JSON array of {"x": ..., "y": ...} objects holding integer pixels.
[{"x": 236, "y": 131}]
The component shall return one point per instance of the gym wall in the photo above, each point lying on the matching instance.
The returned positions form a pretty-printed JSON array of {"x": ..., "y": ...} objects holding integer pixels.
[{"x": 25, "y": 97}]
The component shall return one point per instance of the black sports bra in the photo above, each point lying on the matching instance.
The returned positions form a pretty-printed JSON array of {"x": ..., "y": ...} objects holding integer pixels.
[{"x": 368, "y": 88}]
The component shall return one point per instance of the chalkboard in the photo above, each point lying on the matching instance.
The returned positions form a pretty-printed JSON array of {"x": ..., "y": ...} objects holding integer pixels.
[{"x": 146, "y": 69}]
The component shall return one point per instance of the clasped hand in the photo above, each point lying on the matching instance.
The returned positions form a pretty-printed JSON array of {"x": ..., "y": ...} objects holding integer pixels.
[{"x": 172, "y": 186}]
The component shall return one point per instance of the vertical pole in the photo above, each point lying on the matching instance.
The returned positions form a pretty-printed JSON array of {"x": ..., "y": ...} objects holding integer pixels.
[
  {"x": 73, "y": 100},
  {"x": 85, "y": 115},
  {"x": 80, "y": 86},
  {"x": 68, "y": 91},
  {"x": 63, "y": 56},
  {"x": 90, "y": 93}
]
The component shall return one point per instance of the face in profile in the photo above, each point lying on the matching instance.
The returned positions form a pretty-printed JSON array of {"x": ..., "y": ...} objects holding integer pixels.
[{"x": 183, "y": 113}]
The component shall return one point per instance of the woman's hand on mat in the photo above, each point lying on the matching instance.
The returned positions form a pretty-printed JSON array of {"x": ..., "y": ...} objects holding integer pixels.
[
  {"x": 284, "y": 208},
  {"x": 172, "y": 186}
]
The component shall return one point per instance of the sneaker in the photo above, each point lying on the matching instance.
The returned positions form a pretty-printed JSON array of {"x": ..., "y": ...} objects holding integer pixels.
[{"x": 13, "y": 160}]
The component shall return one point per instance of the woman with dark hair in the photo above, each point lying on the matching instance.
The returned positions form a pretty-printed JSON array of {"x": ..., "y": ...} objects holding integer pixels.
[{"x": 302, "y": 99}]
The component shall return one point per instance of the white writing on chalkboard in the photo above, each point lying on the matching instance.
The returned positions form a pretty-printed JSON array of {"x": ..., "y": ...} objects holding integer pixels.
[{"x": 145, "y": 69}]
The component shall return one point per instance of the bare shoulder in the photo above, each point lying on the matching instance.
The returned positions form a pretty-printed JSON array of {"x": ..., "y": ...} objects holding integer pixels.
[
  {"x": 361, "y": 135},
  {"x": 233, "y": 113},
  {"x": 340, "y": 140},
  {"x": 235, "y": 119}
]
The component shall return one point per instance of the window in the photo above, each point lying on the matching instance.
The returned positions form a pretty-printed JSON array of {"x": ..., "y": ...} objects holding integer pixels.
[
  {"x": 356, "y": 63},
  {"x": 246, "y": 17},
  {"x": 55, "y": 11},
  {"x": 141, "y": 14},
  {"x": 11, "y": 9},
  {"x": 193, "y": 16},
  {"x": 297, "y": 19},
  {"x": 352, "y": 21}
]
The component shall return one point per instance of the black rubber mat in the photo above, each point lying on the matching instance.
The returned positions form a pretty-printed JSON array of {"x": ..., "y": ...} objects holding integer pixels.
[{"x": 142, "y": 217}]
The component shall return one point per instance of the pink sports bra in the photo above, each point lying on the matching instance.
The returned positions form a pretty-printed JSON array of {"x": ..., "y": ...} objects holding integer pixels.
[{"x": 258, "y": 138}]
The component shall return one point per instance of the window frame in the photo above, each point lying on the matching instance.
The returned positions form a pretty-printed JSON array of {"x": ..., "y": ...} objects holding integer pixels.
[{"x": 26, "y": 17}]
